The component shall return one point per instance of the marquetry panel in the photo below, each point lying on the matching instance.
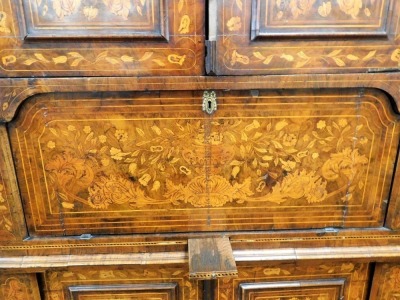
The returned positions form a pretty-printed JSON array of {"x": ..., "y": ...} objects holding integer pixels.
[
  {"x": 129, "y": 283},
  {"x": 320, "y": 18},
  {"x": 18, "y": 286},
  {"x": 6, "y": 222},
  {"x": 11, "y": 215},
  {"x": 386, "y": 283},
  {"x": 306, "y": 36},
  {"x": 111, "y": 18},
  {"x": 331, "y": 289},
  {"x": 156, "y": 163},
  {"x": 111, "y": 37},
  {"x": 303, "y": 281},
  {"x": 166, "y": 291}
]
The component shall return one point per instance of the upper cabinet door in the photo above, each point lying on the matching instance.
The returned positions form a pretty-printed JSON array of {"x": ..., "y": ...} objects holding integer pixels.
[
  {"x": 101, "y": 38},
  {"x": 306, "y": 36}
]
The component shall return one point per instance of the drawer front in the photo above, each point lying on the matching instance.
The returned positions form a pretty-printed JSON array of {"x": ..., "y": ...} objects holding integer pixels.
[
  {"x": 166, "y": 291},
  {"x": 101, "y": 38},
  {"x": 154, "y": 163},
  {"x": 129, "y": 283},
  {"x": 306, "y": 36},
  {"x": 324, "y": 281},
  {"x": 386, "y": 283},
  {"x": 312, "y": 289},
  {"x": 18, "y": 286}
]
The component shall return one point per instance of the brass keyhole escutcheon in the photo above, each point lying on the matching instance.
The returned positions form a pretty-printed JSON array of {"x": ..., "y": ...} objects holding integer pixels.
[{"x": 209, "y": 102}]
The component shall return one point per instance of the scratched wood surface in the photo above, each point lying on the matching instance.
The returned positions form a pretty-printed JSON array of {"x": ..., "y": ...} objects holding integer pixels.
[
  {"x": 178, "y": 169},
  {"x": 97, "y": 38},
  {"x": 306, "y": 36}
]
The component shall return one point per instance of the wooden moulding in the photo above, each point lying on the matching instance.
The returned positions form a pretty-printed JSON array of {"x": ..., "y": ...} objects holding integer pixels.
[
  {"x": 13, "y": 92},
  {"x": 211, "y": 258},
  {"x": 37, "y": 263}
]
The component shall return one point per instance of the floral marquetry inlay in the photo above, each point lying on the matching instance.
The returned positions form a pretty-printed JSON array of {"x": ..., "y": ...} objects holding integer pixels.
[
  {"x": 110, "y": 38},
  {"x": 296, "y": 282},
  {"x": 306, "y": 15},
  {"x": 151, "y": 163},
  {"x": 61, "y": 18},
  {"x": 3, "y": 23},
  {"x": 92, "y": 10},
  {"x": 386, "y": 285},
  {"x": 297, "y": 36},
  {"x": 157, "y": 282},
  {"x": 127, "y": 161},
  {"x": 324, "y": 8},
  {"x": 19, "y": 287}
]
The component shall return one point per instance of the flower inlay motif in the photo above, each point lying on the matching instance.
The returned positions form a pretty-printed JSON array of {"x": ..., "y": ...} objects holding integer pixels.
[{"x": 162, "y": 162}]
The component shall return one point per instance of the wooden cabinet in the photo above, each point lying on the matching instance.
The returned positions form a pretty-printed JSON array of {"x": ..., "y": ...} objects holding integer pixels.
[{"x": 188, "y": 149}]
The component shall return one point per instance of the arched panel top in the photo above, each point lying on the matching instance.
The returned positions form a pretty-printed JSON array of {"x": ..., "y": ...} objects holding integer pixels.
[{"x": 155, "y": 162}]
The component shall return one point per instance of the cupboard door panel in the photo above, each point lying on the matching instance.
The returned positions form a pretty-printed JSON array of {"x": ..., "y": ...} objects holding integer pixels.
[
  {"x": 310, "y": 36},
  {"x": 134, "y": 163},
  {"x": 110, "y": 19},
  {"x": 129, "y": 283},
  {"x": 313, "y": 281},
  {"x": 101, "y": 38}
]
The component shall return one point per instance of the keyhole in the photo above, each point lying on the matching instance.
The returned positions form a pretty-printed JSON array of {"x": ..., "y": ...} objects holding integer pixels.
[{"x": 209, "y": 105}]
